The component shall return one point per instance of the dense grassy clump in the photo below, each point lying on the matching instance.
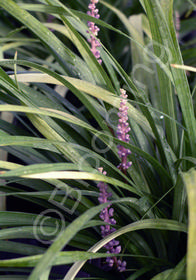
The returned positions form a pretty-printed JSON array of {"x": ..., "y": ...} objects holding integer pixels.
[{"x": 65, "y": 107}]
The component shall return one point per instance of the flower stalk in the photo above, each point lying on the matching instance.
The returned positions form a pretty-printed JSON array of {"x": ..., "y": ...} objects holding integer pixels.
[
  {"x": 122, "y": 132},
  {"x": 106, "y": 215},
  {"x": 94, "y": 29}
]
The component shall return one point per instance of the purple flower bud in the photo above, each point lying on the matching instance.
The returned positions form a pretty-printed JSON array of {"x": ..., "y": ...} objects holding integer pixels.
[
  {"x": 97, "y": 54},
  {"x": 112, "y": 230},
  {"x": 112, "y": 221},
  {"x": 115, "y": 242},
  {"x": 96, "y": 11},
  {"x": 91, "y": 6},
  {"x": 118, "y": 249},
  {"x": 129, "y": 164},
  {"x": 121, "y": 265},
  {"x": 111, "y": 212},
  {"x": 110, "y": 261}
]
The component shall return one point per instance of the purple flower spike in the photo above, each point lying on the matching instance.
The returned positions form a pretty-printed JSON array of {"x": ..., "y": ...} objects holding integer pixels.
[
  {"x": 122, "y": 132},
  {"x": 94, "y": 12},
  {"x": 106, "y": 215}
]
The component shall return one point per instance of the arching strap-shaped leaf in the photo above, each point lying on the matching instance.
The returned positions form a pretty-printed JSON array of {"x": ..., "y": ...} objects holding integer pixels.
[
  {"x": 190, "y": 182},
  {"x": 70, "y": 62},
  {"x": 160, "y": 224},
  {"x": 163, "y": 31}
]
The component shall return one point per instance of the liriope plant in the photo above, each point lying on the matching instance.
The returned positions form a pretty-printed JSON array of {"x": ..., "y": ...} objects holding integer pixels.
[{"x": 65, "y": 97}]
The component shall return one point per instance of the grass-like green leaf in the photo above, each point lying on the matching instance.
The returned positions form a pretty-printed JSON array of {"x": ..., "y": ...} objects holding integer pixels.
[
  {"x": 190, "y": 182},
  {"x": 49, "y": 257},
  {"x": 159, "y": 224},
  {"x": 163, "y": 33},
  {"x": 65, "y": 57}
]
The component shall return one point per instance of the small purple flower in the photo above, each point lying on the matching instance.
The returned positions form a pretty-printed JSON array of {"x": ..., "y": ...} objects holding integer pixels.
[
  {"x": 94, "y": 12},
  {"x": 50, "y": 20},
  {"x": 177, "y": 24},
  {"x": 106, "y": 215},
  {"x": 122, "y": 132},
  {"x": 121, "y": 265}
]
